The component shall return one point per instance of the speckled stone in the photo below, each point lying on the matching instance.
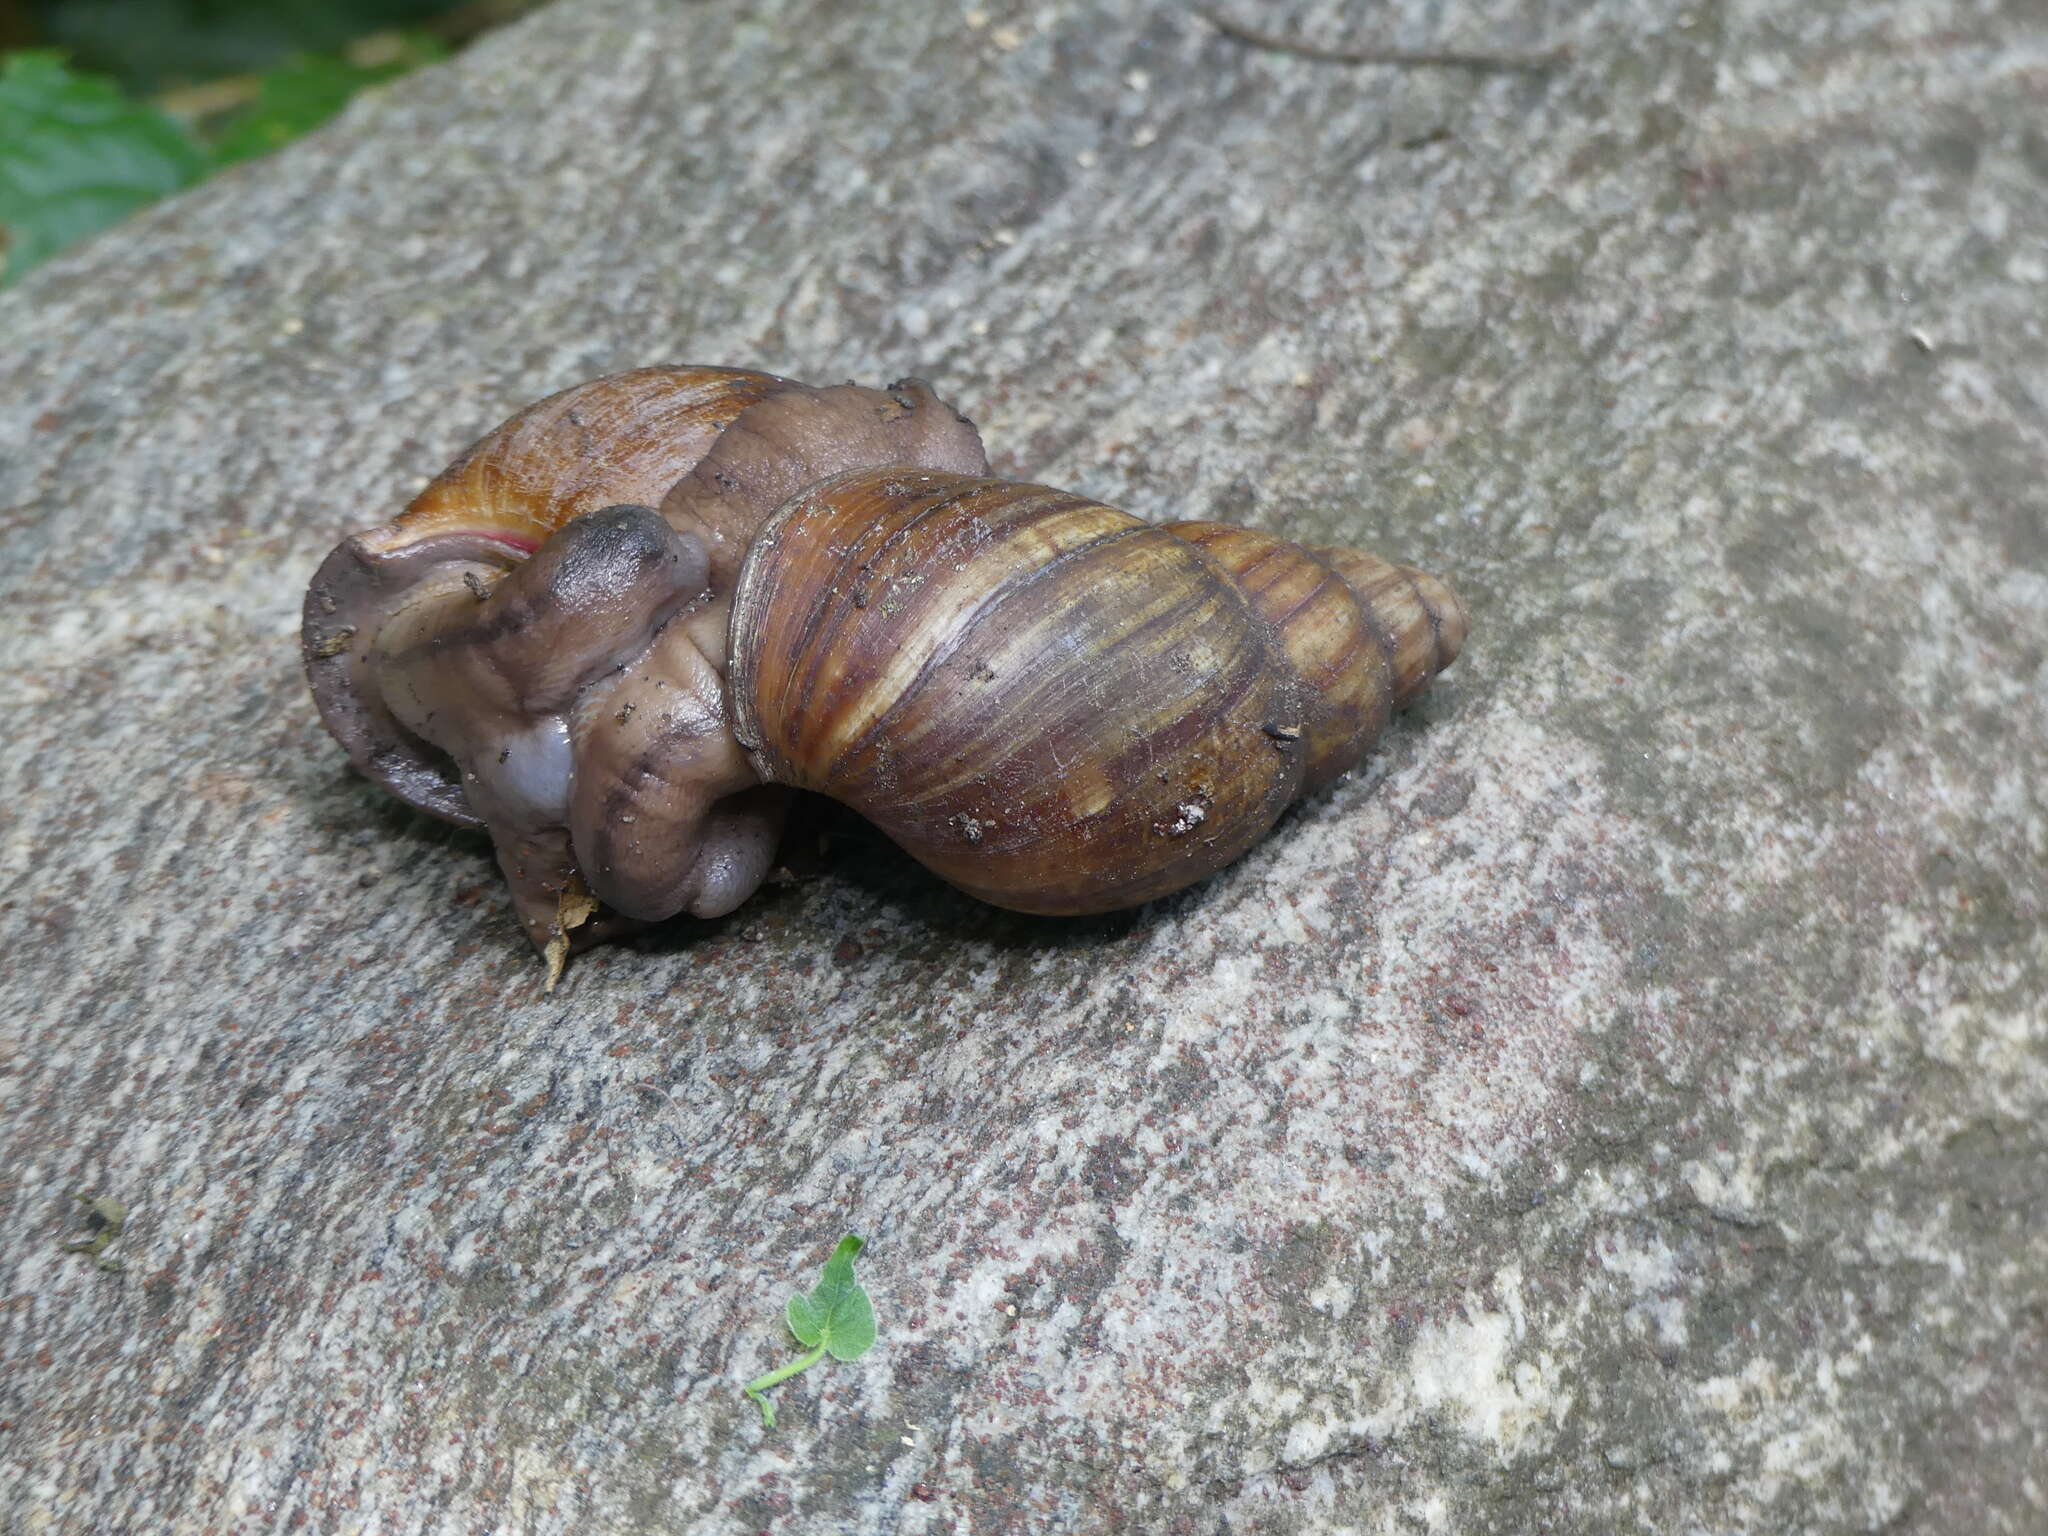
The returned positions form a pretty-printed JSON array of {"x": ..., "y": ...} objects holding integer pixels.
[{"x": 1619, "y": 1106}]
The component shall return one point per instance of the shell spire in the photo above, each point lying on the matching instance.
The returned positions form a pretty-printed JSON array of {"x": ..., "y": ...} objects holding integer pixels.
[
  {"x": 1364, "y": 635},
  {"x": 1421, "y": 617}
]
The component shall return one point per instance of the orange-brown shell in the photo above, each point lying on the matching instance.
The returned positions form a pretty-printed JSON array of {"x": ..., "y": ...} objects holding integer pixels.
[
  {"x": 713, "y": 451},
  {"x": 1055, "y": 706},
  {"x": 626, "y": 439}
]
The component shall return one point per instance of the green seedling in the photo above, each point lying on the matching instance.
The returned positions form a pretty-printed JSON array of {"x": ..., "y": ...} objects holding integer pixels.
[{"x": 836, "y": 1319}]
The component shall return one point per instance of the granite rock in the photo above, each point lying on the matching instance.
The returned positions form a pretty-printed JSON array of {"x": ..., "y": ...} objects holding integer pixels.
[{"x": 1618, "y": 1106}]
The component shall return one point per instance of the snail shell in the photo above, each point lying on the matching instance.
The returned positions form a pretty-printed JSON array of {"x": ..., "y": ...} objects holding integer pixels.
[
  {"x": 1051, "y": 704},
  {"x": 623, "y": 627}
]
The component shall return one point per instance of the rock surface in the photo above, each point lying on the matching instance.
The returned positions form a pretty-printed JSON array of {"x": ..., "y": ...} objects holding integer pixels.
[{"x": 1620, "y": 1106}]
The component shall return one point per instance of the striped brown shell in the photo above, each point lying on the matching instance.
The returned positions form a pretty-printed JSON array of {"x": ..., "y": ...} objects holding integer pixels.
[{"x": 1051, "y": 704}]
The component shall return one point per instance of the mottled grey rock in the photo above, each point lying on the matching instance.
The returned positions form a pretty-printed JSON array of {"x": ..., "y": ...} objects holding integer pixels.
[{"x": 1617, "y": 1107}]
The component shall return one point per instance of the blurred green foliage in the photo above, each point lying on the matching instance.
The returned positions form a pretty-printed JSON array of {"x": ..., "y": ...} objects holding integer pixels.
[
  {"x": 76, "y": 154},
  {"x": 155, "y": 45},
  {"x": 305, "y": 91},
  {"x": 80, "y": 150}
]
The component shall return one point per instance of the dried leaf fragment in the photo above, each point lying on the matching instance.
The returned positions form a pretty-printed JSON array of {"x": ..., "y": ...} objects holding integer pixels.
[{"x": 575, "y": 907}]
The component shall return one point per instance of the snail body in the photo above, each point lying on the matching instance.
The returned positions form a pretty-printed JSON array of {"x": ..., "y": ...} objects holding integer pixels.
[{"x": 627, "y": 625}]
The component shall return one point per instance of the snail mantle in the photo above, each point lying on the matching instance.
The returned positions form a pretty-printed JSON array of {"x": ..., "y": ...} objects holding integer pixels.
[{"x": 624, "y": 628}]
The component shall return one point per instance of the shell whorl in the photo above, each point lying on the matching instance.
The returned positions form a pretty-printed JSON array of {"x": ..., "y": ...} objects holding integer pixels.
[{"x": 1053, "y": 705}]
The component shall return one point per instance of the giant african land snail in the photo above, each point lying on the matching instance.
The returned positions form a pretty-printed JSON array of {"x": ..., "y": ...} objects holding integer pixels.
[{"x": 620, "y": 629}]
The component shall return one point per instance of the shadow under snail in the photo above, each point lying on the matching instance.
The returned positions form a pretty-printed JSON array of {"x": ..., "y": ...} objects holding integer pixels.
[{"x": 622, "y": 629}]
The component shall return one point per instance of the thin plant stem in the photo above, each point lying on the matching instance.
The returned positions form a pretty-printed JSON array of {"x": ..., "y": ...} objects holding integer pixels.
[{"x": 760, "y": 1384}]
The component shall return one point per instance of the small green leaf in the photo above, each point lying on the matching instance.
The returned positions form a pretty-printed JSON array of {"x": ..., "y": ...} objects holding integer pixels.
[
  {"x": 851, "y": 1332},
  {"x": 830, "y": 1295},
  {"x": 76, "y": 155},
  {"x": 842, "y": 1307},
  {"x": 804, "y": 1321},
  {"x": 836, "y": 1318}
]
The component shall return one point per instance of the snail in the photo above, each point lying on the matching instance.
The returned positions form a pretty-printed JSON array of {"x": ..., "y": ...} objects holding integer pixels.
[{"x": 625, "y": 627}]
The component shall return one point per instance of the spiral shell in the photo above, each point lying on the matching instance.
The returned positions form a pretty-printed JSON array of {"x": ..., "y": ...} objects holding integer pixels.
[
  {"x": 621, "y": 629},
  {"x": 1049, "y": 703}
]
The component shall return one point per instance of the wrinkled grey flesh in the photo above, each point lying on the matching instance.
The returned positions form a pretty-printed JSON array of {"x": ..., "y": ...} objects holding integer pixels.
[
  {"x": 649, "y": 818},
  {"x": 492, "y": 683},
  {"x": 352, "y": 595},
  {"x": 788, "y": 441}
]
